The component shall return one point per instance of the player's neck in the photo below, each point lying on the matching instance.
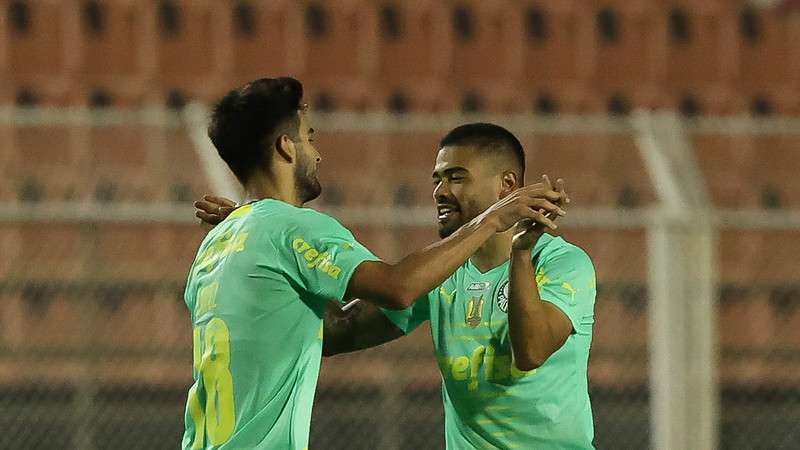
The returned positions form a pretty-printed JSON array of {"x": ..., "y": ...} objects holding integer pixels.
[
  {"x": 263, "y": 186},
  {"x": 494, "y": 252}
]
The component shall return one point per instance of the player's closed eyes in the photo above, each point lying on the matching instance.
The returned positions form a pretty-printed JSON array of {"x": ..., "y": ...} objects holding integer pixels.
[{"x": 456, "y": 180}]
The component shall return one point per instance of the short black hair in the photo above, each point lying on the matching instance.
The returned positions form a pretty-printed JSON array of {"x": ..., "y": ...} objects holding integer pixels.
[
  {"x": 248, "y": 119},
  {"x": 487, "y": 137}
]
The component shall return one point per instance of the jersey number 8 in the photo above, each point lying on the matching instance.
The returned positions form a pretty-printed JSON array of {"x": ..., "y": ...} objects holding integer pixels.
[{"x": 212, "y": 359}]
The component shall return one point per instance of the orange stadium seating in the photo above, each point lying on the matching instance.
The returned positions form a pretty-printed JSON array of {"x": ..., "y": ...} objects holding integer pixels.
[
  {"x": 260, "y": 45},
  {"x": 490, "y": 56},
  {"x": 112, "y": 59},
  {"x": 407, "y": 66}
]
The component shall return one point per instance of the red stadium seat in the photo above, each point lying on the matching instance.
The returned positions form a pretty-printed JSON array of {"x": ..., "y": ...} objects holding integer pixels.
[
  {"x": 122, "y": 156},
  {"x": 595, "y": 167},
  {"x": 484, "y": 53},
  {"x": 342, "y": 152},
  {"x": 185, "y": 43},
  {"x": 724, "y": 162},
  {"x": 332, "y": 50},
  {"x": 762, "y": 61},
  {"x": 57, "y": 255},
  {"x": 179, "y": 165},
  {"x": 36, "y": 46},
  {"x": 408, "y": 59},
  {"x": 622, "y": 63},
  {"x": 776, "y": 167},
  {"x": 265, "y": 49},
  {"x": 43, "y": 155},
  {"x": 113, "y": 57},
  {"x": 694, "y": 49},
  {"x": 553, "y": 58},
  {"x": 738, "y": 168},
  {"x": 174, "y": 246},
  {"x": 615, "y": 253}
]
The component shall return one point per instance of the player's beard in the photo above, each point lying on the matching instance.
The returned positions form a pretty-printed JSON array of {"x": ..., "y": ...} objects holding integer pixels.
[
  {"x": 450, "y": 227},
  {"x": 465, "y": 212},
  {"x": 306, "y": 180},
  {"x": 454, "y": 221}
]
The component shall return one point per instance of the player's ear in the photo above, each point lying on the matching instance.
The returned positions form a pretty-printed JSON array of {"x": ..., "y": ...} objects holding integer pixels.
[
  {"x": 508, "y": 183},
  {"x": 285, "y": 148}
]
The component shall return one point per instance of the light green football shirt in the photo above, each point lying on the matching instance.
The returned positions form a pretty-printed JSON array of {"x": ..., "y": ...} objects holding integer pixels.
[
  {"x": 488, "y": 402},
  {"x": 257, "y": 293}
]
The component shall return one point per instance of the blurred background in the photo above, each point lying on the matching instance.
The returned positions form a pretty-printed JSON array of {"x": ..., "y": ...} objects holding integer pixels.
[{"x": 674, "y": 122}]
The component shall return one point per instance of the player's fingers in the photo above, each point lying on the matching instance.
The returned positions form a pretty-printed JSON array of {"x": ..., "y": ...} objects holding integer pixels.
[
  {"x": 550, "y": 195},
  {"x": 540, "y": 203},
  {"x": 547, "y": 183},
  {"x": 541, "y": 217},
  {"x": 212, "y": 219},
  {"x": 221, "y": 201},
  {"x": 535, "y": 187},
  {"x": 561, "y": 188},
  {"x": 206, "y": 206}
]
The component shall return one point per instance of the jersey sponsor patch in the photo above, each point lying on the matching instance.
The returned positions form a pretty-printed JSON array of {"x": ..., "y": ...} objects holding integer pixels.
[
  {"x": 316, "y": 259},
  {"x": 502, "y": 297}
]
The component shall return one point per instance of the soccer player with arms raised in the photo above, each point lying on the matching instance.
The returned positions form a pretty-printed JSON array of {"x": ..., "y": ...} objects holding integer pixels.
[{"x": 258, "y": 288}]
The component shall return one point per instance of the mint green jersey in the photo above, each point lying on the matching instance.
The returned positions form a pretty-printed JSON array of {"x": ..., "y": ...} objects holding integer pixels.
[
  {"x": 257, "y": 292},
  {"x": 488, "y": 402}
]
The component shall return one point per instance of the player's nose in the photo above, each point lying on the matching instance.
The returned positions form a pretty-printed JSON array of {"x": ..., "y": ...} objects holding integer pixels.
[
  {"x": 440, "y": 190},
  {"x": 441, "y": 194}
]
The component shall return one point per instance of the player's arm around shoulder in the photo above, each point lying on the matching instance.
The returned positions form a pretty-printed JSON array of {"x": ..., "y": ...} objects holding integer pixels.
[
  {"x": 322, "y": 254},
  {"x": 362, "y": 326},
  {"x": 545, "y": 305}
]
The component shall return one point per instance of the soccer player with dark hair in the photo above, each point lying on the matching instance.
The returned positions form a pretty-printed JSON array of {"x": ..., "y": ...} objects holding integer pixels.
[
  {"x": 258, "y": 288},
  {"x": 511, "y": 328}
]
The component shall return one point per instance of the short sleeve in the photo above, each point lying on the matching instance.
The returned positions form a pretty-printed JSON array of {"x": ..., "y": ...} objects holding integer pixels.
[
  {"x": 322, "y": 253},
  {"x": 566, "y": 278},
  {"x": 410, "y": 318}
]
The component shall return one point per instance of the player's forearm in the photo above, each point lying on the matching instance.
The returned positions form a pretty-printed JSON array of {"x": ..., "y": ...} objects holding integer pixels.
[
  {"x": 528, "y": 326},
  {"x": 362, "y": 326},
  {"x": 422, "y": 271},
  {"x": 397, "y": 286}
]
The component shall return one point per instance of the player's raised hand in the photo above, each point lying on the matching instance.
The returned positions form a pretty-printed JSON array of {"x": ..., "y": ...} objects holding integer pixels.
[
  {"x": 536, "y": 202},
  {"x": 560, "y": 187},
  {"x": 212, "y": 210},
  {"x": 528, "y": 231}
]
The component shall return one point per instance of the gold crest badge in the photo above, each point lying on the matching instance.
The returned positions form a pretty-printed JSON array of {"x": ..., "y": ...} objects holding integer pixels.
[{"x": 474, "y": 311}]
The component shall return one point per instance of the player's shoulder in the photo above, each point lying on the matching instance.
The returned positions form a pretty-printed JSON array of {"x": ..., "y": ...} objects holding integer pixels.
[
  {"x": 278, "y": 212},
  {"x": 558, "y": 249}
]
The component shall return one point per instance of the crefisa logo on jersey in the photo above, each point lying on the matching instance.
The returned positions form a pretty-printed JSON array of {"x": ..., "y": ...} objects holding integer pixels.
[{"x": 502, "y": 297}]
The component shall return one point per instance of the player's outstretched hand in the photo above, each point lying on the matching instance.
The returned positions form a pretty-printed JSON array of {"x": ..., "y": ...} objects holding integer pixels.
[
  {"x": 528, "y": 231},
  {"x": 212, "y": 210},
  {"x": 536, "y": 202}
]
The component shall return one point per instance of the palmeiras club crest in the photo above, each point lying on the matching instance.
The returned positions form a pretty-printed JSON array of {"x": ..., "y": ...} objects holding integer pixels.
[{"x": 502, "y": 297}]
